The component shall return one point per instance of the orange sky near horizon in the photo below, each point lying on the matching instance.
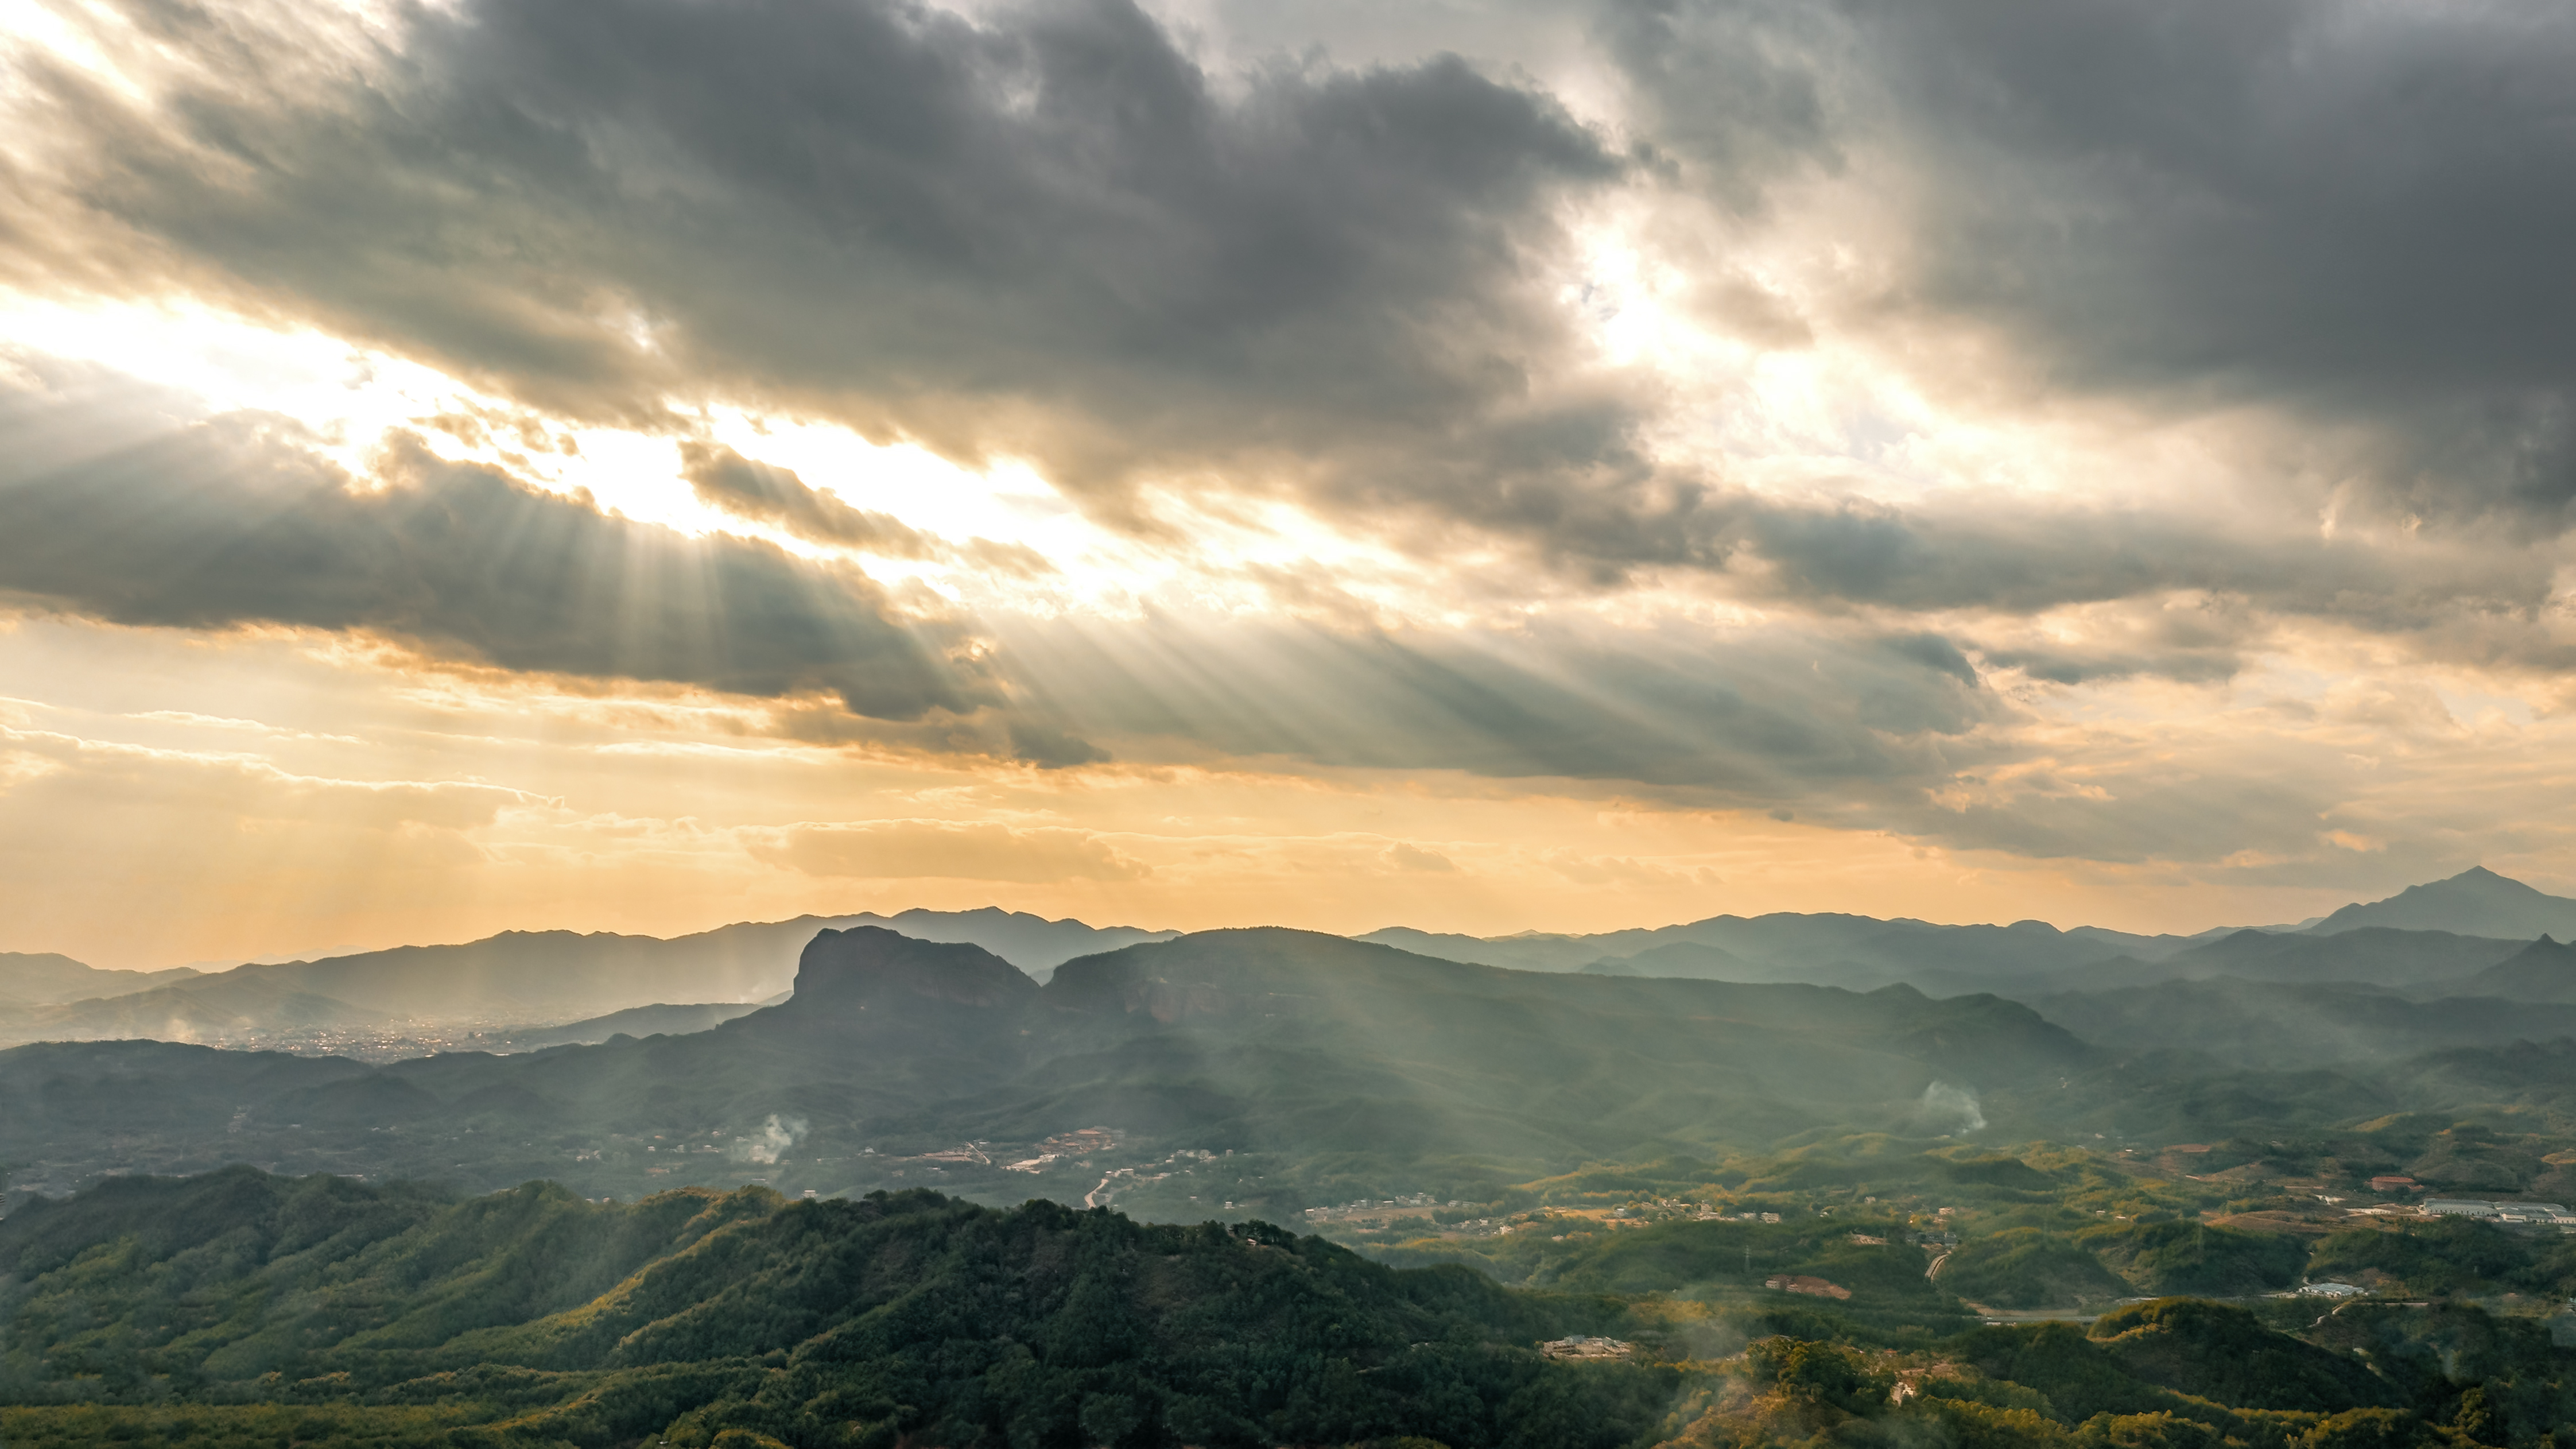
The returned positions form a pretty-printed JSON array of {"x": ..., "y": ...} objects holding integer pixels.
[{"x": 1474, "y": 477}]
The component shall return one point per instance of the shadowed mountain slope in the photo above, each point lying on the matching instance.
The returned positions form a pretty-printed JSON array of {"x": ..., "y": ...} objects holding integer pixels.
[
  {"x": 2285, "y": 1024},
  {"x": 1687, "y": 959},
  {"x": 1859, "y": 952},
  {"x": 2415, "y": 962},
  {"x": 201, "y": 1008},
  {"x": 47, "y": 979},
  {"x": 1264, "y": 1040},
  {"x": 661, "y": 1019},
  {"x": 547, "y": 976},
  {"x": 699, "y": 1317},
  {"x": 2545, "y": 970}
]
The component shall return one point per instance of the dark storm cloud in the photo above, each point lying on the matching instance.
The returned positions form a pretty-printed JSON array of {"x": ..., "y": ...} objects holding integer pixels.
[
  {"x": 1733, "y": 92},
  {"x": 232, "y": 522},
  {"x": 1050, "y": 236},
  {"x": 1047, "y": 233},
  {"x": 2355, "y": 212}
]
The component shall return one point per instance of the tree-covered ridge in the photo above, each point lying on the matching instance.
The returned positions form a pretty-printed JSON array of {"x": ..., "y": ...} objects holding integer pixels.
[
  {"x": 908, "y": 1317},
  {"x": 239, "y": 1308}
]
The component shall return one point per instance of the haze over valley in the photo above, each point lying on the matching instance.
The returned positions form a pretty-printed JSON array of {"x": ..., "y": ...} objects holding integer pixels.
[
  {"x": 846, "y": 1055},
  {"x": 1914, "y": 1126}
]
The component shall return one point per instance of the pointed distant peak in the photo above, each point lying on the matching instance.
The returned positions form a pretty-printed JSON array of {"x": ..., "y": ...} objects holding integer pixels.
[
  {"x": 2476, "y": 902},
  {"x": 2478, "y": 877}
]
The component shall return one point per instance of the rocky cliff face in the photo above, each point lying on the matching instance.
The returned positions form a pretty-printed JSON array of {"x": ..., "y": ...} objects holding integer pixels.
[{"x": 867, "y": 968}]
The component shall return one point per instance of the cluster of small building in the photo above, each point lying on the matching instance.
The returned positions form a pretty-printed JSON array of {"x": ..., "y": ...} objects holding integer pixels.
[
  {"x": 2529, "y": 1213},
  {"x": 1366, "y": 1206},
  {"x": 1801, "y": 1283},
  {"x": 1063, "y": 1146},
  {"x": 1580, "y": 1347}
]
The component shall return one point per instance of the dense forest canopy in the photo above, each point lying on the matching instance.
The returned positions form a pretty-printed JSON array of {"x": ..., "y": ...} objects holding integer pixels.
[{"x": 243, "y": 1308}]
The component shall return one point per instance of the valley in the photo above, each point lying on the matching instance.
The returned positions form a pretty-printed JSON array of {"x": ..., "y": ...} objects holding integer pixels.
[{"x": 1723, "y": 1187}]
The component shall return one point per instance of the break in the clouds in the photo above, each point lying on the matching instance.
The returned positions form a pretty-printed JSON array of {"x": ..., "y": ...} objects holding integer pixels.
[
  {"x": 235, "y": 522},
  {"x": 2113, "y": 432},
  {"x": 1047, "y": 233}
]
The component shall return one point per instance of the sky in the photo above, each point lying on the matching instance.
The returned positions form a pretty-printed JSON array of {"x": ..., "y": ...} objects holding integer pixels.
[{"x": 641, "y": 464}]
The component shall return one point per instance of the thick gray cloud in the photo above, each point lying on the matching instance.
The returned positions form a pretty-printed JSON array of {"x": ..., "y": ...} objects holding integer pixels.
[
  {"x": 1051, "y": 235},
  {"x": 234, "y": 521},
  {"x": 1047, "y": 232},
  {"x": 2356, "y": 212}
]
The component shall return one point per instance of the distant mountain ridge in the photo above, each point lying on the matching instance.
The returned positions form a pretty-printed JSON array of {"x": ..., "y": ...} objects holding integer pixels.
[
  {"x": 1859, "y": 952},
  {"x": 2425, "y": 941},
  {"x": 2287, "y": 1025},
  {"x": 46, "y": 979},
  {"x": 661, "y": 1019},
  {"x": 2476, "y": 902},
  {"x": 2543, "y": 971},
  {"x": 517, "y": 978},
  {"x": 2413, "y": 963},
  {"x": 2427, "y": 933},
  {"x": 1257, "y": 1040}
]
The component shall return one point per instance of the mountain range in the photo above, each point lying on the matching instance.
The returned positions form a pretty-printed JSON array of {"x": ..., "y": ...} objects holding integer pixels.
[
  {"x": 1307, "y": 1056},
  {"x": 2426, "y": 941},
  {"x": 1320, "y": 1063},
  {"x": 43, "y": 978},
  {"x": 516, "y": 979},
  {"x": 2424, "y": 934}
]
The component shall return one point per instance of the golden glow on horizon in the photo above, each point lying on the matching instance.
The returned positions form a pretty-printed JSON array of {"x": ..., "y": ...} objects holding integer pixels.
[
  {"x": 269, "y": 798},
  {"x": 2182, "y": 747},
  {"x": 377, "y": 800}
]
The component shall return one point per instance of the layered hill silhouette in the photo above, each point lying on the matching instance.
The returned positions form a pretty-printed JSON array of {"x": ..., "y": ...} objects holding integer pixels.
[
  {"x": 518, "y": 978},
  {"x": 47, "y": 979},
  {"x": 2545, "y": 970},
  {"x": 2293, "y": 1024},
  {"x": 2427, "y": 940},
  {"x": 527, "y": 975},
  {"x": 897, "y": 1059},
  {"x": 1257, "y": 1041},
  {"x": 2419, "y": 941},
  {"x": 1829, "y": 949},
  {"x": 2416, "y": 963}
]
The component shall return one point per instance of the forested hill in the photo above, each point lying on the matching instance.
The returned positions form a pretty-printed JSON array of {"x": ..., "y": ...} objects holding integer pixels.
[
  {"x": 238, "y": 1309},
  {"x": 908, "y": 1318}
]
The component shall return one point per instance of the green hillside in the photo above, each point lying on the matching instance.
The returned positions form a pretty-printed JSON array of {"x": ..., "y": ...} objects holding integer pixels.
[
  {"x": 241, "y": 1309},
  {"x": 691, "y": 1314}
]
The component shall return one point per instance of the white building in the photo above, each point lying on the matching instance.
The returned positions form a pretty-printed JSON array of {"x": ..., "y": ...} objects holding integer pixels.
[{"x": 2502, "y": 1212}]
